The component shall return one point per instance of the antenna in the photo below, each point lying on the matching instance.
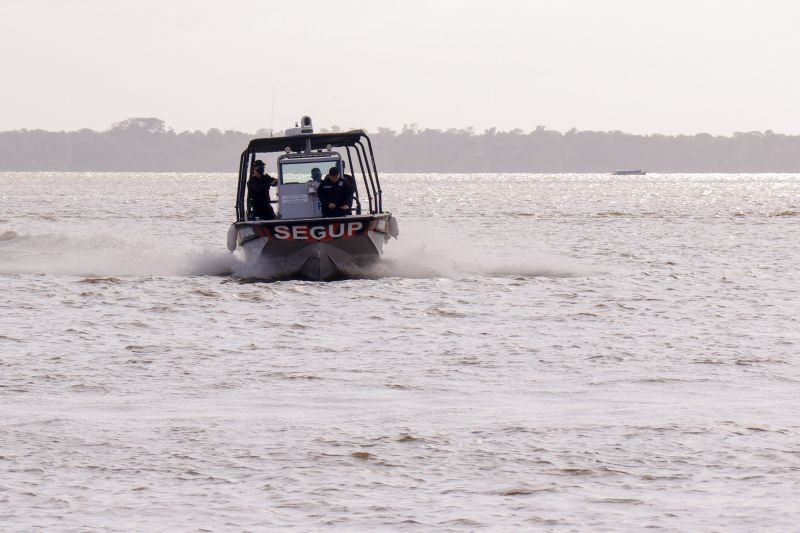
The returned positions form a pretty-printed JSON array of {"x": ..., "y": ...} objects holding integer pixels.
[{"x": 272, "y": 115}]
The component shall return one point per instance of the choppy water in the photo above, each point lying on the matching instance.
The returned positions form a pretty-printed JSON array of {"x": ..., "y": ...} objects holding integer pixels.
[{"x": 573, "y": 352}]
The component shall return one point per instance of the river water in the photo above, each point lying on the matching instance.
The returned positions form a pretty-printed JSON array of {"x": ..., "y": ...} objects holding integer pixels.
[{"x": 536, "y": 352}]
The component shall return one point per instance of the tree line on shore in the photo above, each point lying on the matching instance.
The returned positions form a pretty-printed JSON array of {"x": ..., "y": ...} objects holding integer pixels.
[{"x": 147, "y": 145}]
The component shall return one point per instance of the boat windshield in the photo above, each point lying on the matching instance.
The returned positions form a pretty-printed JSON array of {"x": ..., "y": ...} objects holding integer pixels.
[{"x": 303, "y": 171}]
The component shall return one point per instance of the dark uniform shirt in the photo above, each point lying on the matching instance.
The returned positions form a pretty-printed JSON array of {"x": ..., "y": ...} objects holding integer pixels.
[
  {"x": 338, "y": 193},
  {"x": 258, "y": 200}
]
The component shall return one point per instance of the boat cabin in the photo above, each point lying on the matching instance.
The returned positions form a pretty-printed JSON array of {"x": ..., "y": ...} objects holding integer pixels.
[{"x": 302, "y": 159}]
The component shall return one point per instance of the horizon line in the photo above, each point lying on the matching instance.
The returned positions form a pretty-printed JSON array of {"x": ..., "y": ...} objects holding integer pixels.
[{"x": 412, "y": 127}]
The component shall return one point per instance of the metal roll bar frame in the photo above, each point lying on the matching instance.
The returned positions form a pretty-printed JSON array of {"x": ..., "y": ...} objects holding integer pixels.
[{"x": 306, "y": 143}]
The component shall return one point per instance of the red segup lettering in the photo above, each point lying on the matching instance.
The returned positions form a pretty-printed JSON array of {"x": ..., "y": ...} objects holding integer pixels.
[{"x": 303, "y": 232}]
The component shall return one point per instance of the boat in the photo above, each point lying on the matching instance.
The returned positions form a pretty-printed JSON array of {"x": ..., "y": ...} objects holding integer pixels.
[
  {"x": 637, "y": 172},
  {"x": 301, "y": 243}
]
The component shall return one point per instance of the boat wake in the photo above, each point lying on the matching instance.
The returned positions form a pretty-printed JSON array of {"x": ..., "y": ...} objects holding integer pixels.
[
  {"x": 80, "y": 253},
  {"x": 420, "y": 255},
  {"x": 429, "y": 255}
]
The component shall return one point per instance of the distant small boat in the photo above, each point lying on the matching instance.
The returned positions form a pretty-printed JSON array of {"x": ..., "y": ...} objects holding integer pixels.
[{"x": 637, "y": 172}]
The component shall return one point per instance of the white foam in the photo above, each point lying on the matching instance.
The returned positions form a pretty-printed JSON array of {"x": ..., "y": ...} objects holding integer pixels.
[
  {"x": 423, "y": 251},
  {"x": 71, "y": 252}
]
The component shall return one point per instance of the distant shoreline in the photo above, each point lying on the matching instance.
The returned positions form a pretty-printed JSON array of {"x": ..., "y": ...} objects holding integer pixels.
[{"x": 147, "y": 145}]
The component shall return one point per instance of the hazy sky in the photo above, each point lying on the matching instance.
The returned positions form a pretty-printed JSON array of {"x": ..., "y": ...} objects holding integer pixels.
[{"x": 642, "y": 66}]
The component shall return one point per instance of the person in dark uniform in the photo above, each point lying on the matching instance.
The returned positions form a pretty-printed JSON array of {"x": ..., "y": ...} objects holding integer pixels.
[
  {"x": 352, "y": 182},
  {"x": 335, "y": 195},
  {"x": 348, "y": 178},
  {"x": 258, "y": 200}
]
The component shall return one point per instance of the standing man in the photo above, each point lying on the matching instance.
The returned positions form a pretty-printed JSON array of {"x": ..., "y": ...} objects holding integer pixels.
[
  {"x": 258, "y": 200},
  {"x": 335, "y": 195}
]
